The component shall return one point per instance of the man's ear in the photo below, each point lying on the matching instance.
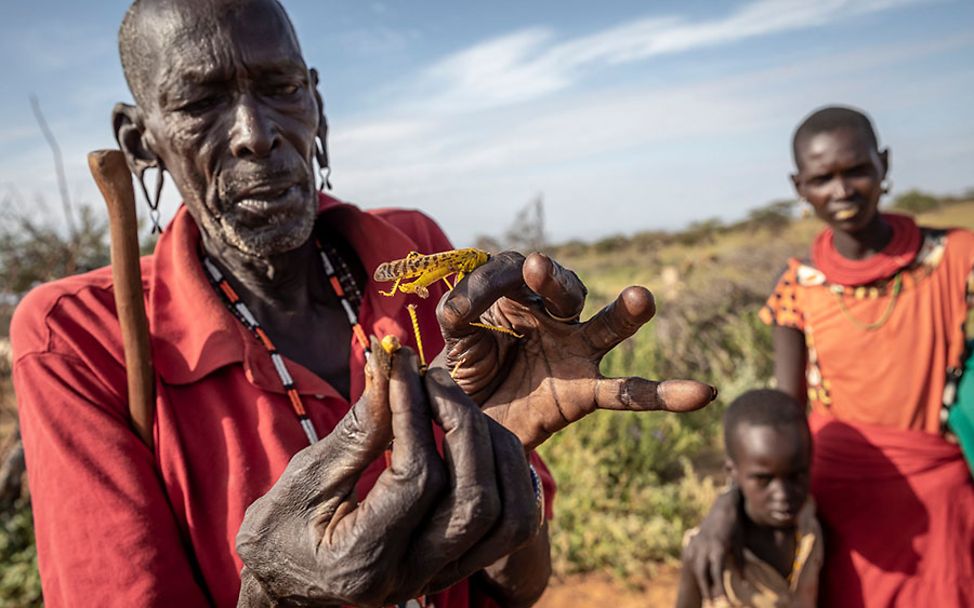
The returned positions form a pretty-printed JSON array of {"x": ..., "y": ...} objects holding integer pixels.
[
  {"x": 884, "y": 161},
  {"x": 133, "y": 139},
  {"x": 321, "y": 148}
]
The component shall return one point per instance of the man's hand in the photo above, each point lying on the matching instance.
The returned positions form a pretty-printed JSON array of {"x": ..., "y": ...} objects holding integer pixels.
[
  {"x": 718, "y": 543},
  {"x": 428, "y": 522},
  {"x": 549, "y": 378}
]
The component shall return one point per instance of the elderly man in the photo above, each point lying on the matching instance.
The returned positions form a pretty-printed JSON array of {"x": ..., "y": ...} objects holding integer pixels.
[{"x": 259, "y": 303}]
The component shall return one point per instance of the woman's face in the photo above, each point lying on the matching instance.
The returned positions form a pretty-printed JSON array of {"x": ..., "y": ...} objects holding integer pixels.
[{"x": 840, "y": 173}]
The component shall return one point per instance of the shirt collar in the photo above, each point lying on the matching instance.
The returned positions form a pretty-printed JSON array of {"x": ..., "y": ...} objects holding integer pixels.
[{"x": 192, "y": 332}]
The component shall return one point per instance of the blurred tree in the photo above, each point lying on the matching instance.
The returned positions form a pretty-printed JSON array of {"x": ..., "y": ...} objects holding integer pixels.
[
  {"x": 35, "y": 247},
  {"x": 915, "y": 201},
  {"x": 699, "y": 232},
  {"x": 526, "y": 233},
  {"x": 773, "y": 216},
  {"x": 488, "y": 243}
]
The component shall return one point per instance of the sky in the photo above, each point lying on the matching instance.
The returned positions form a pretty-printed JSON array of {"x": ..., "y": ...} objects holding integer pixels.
[{"x": 623, "y": 115}]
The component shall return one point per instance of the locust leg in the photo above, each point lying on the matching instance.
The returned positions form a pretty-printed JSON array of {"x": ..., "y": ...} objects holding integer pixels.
[
  {"x": 502, "y": 330},
  {"x": 419, "y": 286},
  {"x": 412, "y": 255},
  {"x": 395, "y": 286}
]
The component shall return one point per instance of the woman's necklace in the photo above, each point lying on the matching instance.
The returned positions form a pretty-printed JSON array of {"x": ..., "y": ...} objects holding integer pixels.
[
  {"x": 342, "y": 283},
  {"x": 895, "y": 293}
]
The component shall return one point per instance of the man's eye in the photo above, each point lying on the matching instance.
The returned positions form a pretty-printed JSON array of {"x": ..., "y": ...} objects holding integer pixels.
[
  {"x": 285, "y": 90},
  {"x": 200, "y": 105}
]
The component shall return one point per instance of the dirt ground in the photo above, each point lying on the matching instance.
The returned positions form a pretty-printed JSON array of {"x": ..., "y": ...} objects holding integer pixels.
[{"x": 601, "y": 591}]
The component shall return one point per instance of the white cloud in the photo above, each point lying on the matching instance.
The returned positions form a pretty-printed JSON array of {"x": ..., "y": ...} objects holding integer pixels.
[
  {"x": 530, "y": 63},
  {"x": 377, "y": 40},
  {"x": 720, "y": 144}
]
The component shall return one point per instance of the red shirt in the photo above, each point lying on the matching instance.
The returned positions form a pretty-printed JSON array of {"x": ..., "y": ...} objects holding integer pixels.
[{"x": 117, "y": 524}]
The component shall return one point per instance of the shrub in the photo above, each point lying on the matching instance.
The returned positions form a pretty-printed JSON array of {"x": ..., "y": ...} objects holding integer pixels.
[
  {"x": 20, "y": 582},
  {"x": 915, "y": 201}
]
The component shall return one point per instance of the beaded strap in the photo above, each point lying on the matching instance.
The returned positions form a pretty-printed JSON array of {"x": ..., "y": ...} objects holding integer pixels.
[
  {"x": 242, "y": 312},
  {"x": 347, "y": 291},
  {"x": 343, "y": 283}
]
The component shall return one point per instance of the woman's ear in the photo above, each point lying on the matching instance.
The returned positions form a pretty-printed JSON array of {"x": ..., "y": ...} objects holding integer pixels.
[
  {"x": 796, "y": 183},
  {"x": 133, "y": 139}
]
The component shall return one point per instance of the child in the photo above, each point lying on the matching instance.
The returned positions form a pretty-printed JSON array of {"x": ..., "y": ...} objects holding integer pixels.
[{"x": 769, "y": 452}]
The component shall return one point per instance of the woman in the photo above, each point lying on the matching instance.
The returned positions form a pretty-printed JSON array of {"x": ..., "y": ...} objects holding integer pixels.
[{"x": 865, "y": 330}]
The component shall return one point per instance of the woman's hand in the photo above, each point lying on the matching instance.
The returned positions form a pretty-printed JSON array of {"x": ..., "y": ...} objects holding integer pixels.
[{"x": 718, "y": 544}]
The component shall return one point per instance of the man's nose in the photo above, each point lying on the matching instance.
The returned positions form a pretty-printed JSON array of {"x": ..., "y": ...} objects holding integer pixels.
[{"x": 252, "y": 135}]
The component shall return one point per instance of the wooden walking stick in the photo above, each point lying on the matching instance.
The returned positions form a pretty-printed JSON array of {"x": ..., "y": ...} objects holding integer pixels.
[{"x": 111, "y": 173}]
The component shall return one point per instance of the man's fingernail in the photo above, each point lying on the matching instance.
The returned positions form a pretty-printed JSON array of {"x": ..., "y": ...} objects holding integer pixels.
[{"x": 459, "y": 305}]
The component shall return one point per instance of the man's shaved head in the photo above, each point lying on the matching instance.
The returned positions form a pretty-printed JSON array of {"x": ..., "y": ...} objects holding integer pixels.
[
  {"x": 146, "y": 21},
  {"x": 832, "y": 118},
  {"x": 227, "y": 106}
]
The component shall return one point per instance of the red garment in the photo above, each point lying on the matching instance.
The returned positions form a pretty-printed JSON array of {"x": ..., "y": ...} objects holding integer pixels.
[
  {"x": 897, "y": 254},
  {"x": 118, "y": 525},
  {"x": 895, "y": 499},
  {"x": 892, "y": 375},
  {"x": 897, "y": 508}
]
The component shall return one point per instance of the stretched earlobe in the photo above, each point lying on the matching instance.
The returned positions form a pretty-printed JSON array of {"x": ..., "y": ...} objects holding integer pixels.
[
  {"x": 132, "y": 139},
  {"x": 321, "y": 135}
]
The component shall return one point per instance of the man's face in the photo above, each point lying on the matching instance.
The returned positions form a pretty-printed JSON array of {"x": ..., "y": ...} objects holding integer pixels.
[
  {"x": 841, "y": 173},
  {"x": 771, "y": 467},
  {"x": 232, "y": 114}
]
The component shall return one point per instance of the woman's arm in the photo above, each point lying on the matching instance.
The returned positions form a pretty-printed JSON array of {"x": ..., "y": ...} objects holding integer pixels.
[
  {"x": 789, "y": 361},
  {"x": 689, "y": 592}
]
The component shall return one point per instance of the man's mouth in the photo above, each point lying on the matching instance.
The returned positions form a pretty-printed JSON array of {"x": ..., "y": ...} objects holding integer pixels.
[{"x": 268, "y": 204}]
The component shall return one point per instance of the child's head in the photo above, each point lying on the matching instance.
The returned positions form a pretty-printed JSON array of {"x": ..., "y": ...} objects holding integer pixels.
[{"x": 769, "y": 452}]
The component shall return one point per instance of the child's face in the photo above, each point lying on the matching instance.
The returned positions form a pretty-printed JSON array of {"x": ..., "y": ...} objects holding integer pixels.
[{"x": 771, "y": 468}]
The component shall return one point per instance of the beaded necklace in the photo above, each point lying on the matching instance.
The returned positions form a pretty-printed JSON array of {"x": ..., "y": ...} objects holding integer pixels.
[
  {"x": 343, "y": 283},
  {"x": 345, "y": 289}
]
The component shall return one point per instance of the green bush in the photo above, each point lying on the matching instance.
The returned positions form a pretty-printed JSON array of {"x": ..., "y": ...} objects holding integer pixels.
[
  {"x": 20, "y": 583},
  {"x": 631, "y": 484},
  {"x": 915, "y": 201}
]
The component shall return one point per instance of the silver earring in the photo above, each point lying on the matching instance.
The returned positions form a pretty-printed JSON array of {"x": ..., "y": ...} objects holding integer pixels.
[
  {"x": 324, "y": 169},
  {"x": 324, "y": 174},
  {"x": 886, "y": 185},
  {"x": 153, "y": 202}
]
